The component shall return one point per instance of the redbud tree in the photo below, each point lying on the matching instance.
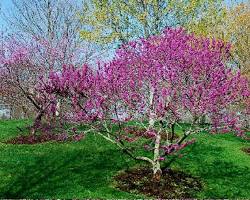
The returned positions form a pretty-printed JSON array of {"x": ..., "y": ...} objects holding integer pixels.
[
  {"x": 151, "y": 83},
  {"x": 22, "y": 64},
  {"x": 18, "y": 75},
  {"x": 20, "y": 67}
]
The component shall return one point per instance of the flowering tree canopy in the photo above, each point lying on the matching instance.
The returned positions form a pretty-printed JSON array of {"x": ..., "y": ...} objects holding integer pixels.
[
  {"x": 151, "y": 83},
  {"x": 18, "y": 74},
  {"x": 22, "y": 63}
]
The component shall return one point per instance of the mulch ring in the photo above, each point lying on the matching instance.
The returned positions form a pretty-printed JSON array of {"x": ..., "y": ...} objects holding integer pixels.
[
  {"x": 246, "y": 150},
  {"x": 173, "y": 184},
  {"x": 141, "y": 131},
  {"x": 36, "y": 139}
]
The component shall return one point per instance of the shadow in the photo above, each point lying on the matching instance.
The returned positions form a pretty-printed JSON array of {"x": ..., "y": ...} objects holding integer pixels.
[
  {"x": 57, "y": 175},
  {"x": 32, "y": 176},
  {"x": 85, "y": 169},
  {"x": 222, "y": 177}
]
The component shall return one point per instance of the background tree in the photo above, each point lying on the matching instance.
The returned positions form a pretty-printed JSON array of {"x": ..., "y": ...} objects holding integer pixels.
[
  {"x": 231, "y": 25},
  {"x": 19, "y": 74},
  {"x": 55, "y": 22},
  {"x": 122, "y": 20},
  {"x": 50, "y": 30}
]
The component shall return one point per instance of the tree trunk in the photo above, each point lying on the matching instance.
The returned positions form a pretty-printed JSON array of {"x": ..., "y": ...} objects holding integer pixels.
[
  {"x": 172, "y": 132},
  {"x": 151, "y": 113},
  {"x": 156, "y": 164},
  {"x": 195, "y": 118},
  {"x": 203, "y": 120},
  {"x": 151, "y": 120},
  {"x": 37, "y": 121},
  {"x": 58, "y": 108}
]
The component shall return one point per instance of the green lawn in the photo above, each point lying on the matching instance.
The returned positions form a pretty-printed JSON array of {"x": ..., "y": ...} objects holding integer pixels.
[{"x": 85, "y": 169}]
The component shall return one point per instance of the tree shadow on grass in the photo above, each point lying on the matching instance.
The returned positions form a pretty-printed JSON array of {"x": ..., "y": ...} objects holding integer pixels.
[
  {"x": 60, "y": 175},
  {"x": 226, "y": 179},
  {"x": 223, "y": 177}
]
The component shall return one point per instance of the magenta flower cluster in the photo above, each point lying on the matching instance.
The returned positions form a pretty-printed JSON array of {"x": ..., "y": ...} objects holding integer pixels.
[
  {"x": 182, "y": 73},
  {"x": 160, "y": 78}
]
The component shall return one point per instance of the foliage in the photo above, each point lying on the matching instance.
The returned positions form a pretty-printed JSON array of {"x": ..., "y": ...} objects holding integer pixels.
[
  {"x": 121, "y": 20},
  {"x": 231, "y": 25}
]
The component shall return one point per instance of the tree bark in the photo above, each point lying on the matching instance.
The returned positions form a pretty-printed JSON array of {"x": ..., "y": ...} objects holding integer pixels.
[
  {"x": 156, "y": 163},
  {"x": 37, "y": 121},
  {"x": 151, "y": 113},
  {"x": 172, "y": 132}
]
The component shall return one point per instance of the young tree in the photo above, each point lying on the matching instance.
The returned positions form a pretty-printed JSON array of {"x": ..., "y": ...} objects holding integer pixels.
[
  {"x": 19, "y": 74},
  {"x": 151, "y": 83},
  {"x": 49, "y": 30}
]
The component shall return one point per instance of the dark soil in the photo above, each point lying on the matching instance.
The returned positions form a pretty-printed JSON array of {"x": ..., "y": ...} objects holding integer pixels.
[
  {"x": 35, "y": 139},
  {"x": 133, "y": 130},
  {"x": 173, "y": 184},
  {"x": 246, "y": 150},
  {"x": 167, "y": 136},
  {"x": 136, "y": 131}
]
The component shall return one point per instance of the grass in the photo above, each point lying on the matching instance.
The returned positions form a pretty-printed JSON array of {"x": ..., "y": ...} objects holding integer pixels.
[{"x": 85, "y": 169}]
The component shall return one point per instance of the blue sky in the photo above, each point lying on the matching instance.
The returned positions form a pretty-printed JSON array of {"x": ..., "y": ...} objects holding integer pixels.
[{"x": 6, "y": 6}]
